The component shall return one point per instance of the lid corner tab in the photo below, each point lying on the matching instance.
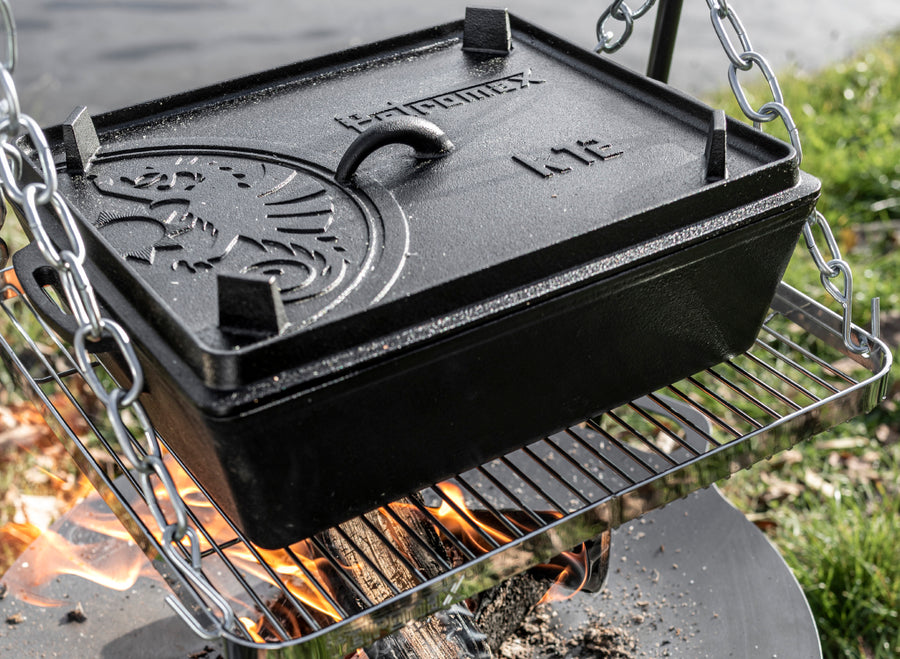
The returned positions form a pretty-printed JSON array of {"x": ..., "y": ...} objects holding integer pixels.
[
  {"x": 716, "y": 147},
  {"x": 487, "y": 31},
  {"x": 250, "y": 305},
  {"x": 80, "y": 140}
]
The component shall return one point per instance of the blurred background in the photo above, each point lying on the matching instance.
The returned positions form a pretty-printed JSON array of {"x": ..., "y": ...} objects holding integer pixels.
[{"x": 111, "y": 53}]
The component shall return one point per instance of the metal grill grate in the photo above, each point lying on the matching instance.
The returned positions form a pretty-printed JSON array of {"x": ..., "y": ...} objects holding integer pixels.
[{"x": 523, "y": 508}]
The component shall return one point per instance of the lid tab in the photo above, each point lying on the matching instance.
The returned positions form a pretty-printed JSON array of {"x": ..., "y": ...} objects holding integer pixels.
[
  {"x": 250, "y": 305},
  {"x": 716, "y": 147},
  {"x": 487, "y": 31},
  {"x": 81, "y": 141}
]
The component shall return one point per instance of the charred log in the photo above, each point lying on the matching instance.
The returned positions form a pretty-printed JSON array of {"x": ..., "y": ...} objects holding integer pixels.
[
  {"x": 387, "y": 555},
  {"x": 449, "y": 633},
  {"x": 501, "y": 610}
]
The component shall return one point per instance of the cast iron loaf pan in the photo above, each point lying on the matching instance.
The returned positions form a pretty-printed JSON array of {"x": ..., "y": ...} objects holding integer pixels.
[{"x": 316, "y": 345}]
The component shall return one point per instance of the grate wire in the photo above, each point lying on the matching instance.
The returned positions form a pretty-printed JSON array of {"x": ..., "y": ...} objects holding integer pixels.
[{"x": 566, "y": 487}]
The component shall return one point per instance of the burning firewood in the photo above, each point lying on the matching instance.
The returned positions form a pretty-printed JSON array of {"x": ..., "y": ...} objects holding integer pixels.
[
  {"x": 359, "y": 542},
  {"x": 450, "y": 633},
  {"x": 385, "y": 555}
]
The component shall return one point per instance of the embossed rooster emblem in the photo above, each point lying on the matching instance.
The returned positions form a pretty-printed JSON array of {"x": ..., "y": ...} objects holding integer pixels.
[{"x": 201, "y": 213}]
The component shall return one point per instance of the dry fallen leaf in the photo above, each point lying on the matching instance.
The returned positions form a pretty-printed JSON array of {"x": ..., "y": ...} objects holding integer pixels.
[
  {"x": 778, "y": 489},
  {"x": 789, "y": 457},
  {"x": 842, "y": 443},
  {"x": 815, "y": 482},
  {"x": 21, "y": 436},
  {"x": 36, "y": 476}
]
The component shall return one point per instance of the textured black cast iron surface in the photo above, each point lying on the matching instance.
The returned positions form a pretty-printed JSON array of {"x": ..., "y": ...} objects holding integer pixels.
[{"x": 454, "y": 307}]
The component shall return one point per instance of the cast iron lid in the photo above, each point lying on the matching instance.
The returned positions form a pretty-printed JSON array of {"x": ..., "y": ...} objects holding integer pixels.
[{"x": 217, "y": 214}]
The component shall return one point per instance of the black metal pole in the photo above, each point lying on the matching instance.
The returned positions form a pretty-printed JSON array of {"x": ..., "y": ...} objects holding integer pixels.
[{"x": 668, "y": 14}]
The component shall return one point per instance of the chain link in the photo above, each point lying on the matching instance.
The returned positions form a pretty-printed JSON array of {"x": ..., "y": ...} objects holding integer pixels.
[
  {"x": 752, "y": 58},
  {"x": 723, "y": 11},
  {"x": 180, "y": 543},
  {"x": 607, "y": 42},
  {"x": 830, "y": 270},
  {"x": 8, "y": 25},
  {"x": 80, "y": 294},
  {"x": 720, "y": 11},
  {"x": 9, "y": 103}
]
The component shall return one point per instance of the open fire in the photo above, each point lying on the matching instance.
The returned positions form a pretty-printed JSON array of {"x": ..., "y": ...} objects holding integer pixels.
[{"x": 303, "y": 577}]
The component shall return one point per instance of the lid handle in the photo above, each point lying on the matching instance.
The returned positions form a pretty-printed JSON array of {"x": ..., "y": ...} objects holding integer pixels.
[{"x": 426, "y": 138}]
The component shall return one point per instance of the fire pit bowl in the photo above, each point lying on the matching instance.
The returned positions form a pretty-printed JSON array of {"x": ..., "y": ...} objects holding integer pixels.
[{"x": 731, "y": 593}]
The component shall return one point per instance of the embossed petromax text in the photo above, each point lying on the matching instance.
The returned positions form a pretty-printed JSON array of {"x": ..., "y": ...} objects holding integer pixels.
[
  {"x": 563, "y": 158},
  {"x": 443, "y": 101}
]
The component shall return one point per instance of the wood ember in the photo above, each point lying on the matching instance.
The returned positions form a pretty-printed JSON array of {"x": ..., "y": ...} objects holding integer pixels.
[
  {"x": 77, "y": 614},
  {"x": 15, "y": 619}
]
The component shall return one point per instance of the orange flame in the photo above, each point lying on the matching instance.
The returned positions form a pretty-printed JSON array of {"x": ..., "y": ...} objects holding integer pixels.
[
  {"x": 463, "y": 523},
  {"x": 288, "y": 565},
  {"x": 577, "y": 567},
  {"x": 114, "y": 561},
  {"x": 106, "y": 561},
  {"x": 291, "y": 574},
  {"x": 252, "y": 629},
  {"x": 299, "y": 569},
  {"x": 14, "y": 535}
]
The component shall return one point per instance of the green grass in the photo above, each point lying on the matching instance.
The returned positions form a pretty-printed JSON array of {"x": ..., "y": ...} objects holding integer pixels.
[
  {"x": 848, "y": 122},
  {"x": 855, "y": 584},
  {"x": 832, "y": 505}
]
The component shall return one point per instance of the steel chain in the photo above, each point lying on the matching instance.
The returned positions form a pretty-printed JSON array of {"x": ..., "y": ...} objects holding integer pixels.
[
  {"x": 607, "y": 42},
  {"x": 744, "y": 59},
  {"x": 179, "y": 540},
  {"x": 831, "y": 269},
  {"x": 835, "y": 267},
  {"x": 720, "y": 11}
]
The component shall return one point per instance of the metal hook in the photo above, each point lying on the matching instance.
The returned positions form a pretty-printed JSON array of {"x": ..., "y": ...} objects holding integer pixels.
[
  {"x": 875, "y": 321},
  {"x": 191, "y": 621}
]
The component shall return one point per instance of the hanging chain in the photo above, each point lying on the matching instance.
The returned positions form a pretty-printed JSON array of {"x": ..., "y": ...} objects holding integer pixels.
[
  {"x": 608, "y": 42},
  {"x": 720, "y": 11},
  {"x": 180, "y": 542},
  {"x": 722, "y": 14},
  {"x": 830, "y": 270}
]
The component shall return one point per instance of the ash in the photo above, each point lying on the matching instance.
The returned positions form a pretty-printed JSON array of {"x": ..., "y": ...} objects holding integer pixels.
[{"x": 541, "y": 636}]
